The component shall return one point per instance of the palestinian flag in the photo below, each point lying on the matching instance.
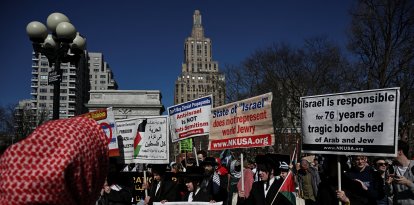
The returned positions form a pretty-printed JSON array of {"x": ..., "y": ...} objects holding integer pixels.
[
  {"x": 138, "y": 137},
  {"x": 288, "y": 188}
]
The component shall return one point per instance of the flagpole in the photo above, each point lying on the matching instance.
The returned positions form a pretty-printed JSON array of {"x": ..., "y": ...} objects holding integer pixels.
[
  {"x": 195, "y": 151},
  {"x": 242, "y": 170},
  {"x": 185, "y": 159},
  {"x": 284, "y": 181},
  {"x": 295, "y": 159},
  {"x": 145, "y": 181},
  {"x": 339, "y": 176}
]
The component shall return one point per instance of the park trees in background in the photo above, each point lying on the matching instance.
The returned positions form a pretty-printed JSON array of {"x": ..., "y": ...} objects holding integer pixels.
[
  {"x": 381, "y": 55},
  {"x": 382, "y": 38},
  {"x": 288, "y": 72},
  {"x": 17, "y": 122}
]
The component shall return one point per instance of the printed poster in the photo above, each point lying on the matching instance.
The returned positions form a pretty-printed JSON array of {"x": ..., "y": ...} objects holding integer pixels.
[
  {"x": 242, "y": 124},
  {"x": 106, "y": 119},
  {"x": 145, "y": 139},
  {"x": 190, "y": 119},
  {"x": 351, "y": 123}
]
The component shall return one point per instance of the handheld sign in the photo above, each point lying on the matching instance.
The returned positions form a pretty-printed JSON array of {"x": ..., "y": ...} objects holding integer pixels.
[
  {"x": 145, "y": 139},
  {"x": 106, "y": 119},
  {"x": 351, "y": 123},
  {"x": 190, "y": 119},
  {"x": 186, "y": 145},
  {"x": 242, "y": 124}
]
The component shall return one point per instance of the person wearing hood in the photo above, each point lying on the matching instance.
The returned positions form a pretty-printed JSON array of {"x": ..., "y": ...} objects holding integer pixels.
[
  {"x": 62, "y": 162},
  {"x": 233, "y": 180}
]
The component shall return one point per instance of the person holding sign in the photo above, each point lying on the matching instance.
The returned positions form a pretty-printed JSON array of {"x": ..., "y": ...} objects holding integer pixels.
[
  {"x": 163, "y": 189},
  {"x": 351, "y": 191},
  {"x": 213, "y": 183},
  {"x": 369, "y": 179},
  {"x": 400, "y": 184},
  {"x": 116, "y": 189},
  {"x": 193, "y": 179},
  {"x": 264, "y": 191}
]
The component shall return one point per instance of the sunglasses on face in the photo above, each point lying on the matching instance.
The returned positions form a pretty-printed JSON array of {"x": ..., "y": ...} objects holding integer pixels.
[{"x": 382, "y": 164}]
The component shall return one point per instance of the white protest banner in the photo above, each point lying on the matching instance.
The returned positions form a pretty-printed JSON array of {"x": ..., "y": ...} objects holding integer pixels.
[
  {"x": 190, "y": 119},
  {"x": 188, "y": 203},
  {"x": 106, "y": 118},
  {"x": 246, "y": 123},
  {"x": 127, "y": 129},
  {"x": 153, "y": 145},
  {"x": 351, "y": 123},
  {"x": 145, "y": 139}
]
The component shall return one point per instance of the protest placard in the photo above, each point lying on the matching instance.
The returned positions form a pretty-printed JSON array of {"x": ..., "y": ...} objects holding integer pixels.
[
  {"x": 351, "y": 123},
  {"x": 106, "y": 119},
  {"x": 186, "y": 145},
  {"x": 145, "y": 139},
  {"x": 127, "y": 130},
  {"x": 153, "y": 148},
  {"x": 242, "y": 124},
  {"x": 190, "y": 119}
]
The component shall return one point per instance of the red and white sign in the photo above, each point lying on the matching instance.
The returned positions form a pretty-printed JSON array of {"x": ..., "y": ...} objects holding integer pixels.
[
  {"x": 242, "y": 124},
  {"x": 106, "y": 119},
  {"x": 190, "y": 119}
]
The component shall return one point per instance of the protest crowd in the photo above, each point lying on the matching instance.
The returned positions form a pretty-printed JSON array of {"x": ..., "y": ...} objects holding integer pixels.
[
  {"x": 83, "y": 160},
  {"x": 364, "y": 180},
  {"x": 77, "y": 172}
]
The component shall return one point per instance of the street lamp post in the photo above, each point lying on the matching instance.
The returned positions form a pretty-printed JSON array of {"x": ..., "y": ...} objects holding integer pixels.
[{"x": 64, "y": 44}]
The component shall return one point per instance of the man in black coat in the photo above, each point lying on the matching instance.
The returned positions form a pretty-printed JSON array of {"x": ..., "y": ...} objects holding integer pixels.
[
  {"x": 162, "y": 189},
  {"x": 116, "y": 190},
  {"x": 193, "y": 177},
  {"x": 213, "y": 183},
  {"x": 264, "y": 192}
]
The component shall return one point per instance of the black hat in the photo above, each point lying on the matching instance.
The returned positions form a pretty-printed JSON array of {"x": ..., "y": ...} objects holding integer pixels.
[
  {"x": 193, "y": 173},
  {"x": 280, "y": 159},
  {"x": 209, "y": 161},
  {"x": 269, "y": 161},
  {"x": 265, "y": 163},
  {"x": 158, "y": 168}
]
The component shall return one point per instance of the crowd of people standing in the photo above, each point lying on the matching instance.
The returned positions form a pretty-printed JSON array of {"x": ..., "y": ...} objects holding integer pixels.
[
  {"x": 364, "y": 180},
  {"x": 71, "y": 169}
]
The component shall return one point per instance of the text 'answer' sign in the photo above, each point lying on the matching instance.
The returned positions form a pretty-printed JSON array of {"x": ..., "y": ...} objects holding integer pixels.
[{"x": 362, "y": 122}]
